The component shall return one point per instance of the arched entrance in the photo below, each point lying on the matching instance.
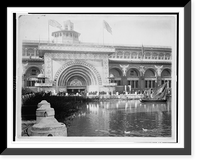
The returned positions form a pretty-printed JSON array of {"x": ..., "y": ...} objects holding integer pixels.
[
  {"x": 166, "y": 77},
  {"x": 76, "y": 77},
  {"x": 30, "y": 76},
  {"x": 133, "y": 78},
  {"x": 116, "y": 75},
  {"x": 150, "y": 78},
  {"x": 76, "y": 84}
]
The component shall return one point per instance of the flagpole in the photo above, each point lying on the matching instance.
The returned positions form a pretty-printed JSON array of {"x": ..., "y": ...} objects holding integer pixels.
[
  {"x": 48, "y": 32},
  {"x": 103, "y": 34}
]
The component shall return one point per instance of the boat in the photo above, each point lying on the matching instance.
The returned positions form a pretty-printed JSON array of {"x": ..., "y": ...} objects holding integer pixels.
[
  {"x": 159, "y": 95},
  {"x": 153, "y": 100}
]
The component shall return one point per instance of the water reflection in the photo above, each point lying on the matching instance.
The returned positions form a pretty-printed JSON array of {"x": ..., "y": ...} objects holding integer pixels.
[{"x": 122, "y": 118}]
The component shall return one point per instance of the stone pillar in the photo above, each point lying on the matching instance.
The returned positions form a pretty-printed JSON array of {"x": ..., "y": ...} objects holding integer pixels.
[
  {"x": 124, "y": 79},
  {"x": 25, "y": 51},
  {"x": 35, "y": 51},
  {"x": 147, "y": 83},
  {"x": 159, "y": 80},
  {"x": 46, "y": 124},
  {"x": 141, "y": 83}
]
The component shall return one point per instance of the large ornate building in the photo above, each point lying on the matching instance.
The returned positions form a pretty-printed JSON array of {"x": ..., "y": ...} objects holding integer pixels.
[{"x": 67, "y": 65}]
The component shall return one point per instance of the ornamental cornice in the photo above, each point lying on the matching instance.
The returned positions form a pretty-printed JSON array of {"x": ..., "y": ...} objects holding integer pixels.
[
  {"x": 77, "y": 48},
  {"x": 74, "y": 55}
]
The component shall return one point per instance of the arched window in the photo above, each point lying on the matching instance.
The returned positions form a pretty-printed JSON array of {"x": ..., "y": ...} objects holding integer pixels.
[
  {"x": 166, "y": 77},
  {"x": 119, "y": 54},
  {"x": 30, "y": 52},
  {"x": 150, "y": 79},
  {"x": 147, "y": 55},
  {"x": 127, "y": 55},
  {"x": 134, "y": 55},
  {"x": 149, "y": 73},
  {"x": 132, "y": 73},
  {"x": 116, "y": 76},
  {"x": 166, "y": 73}
]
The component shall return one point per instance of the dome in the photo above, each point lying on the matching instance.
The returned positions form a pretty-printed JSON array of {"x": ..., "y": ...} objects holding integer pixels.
[{"x": 41, "y": 75}]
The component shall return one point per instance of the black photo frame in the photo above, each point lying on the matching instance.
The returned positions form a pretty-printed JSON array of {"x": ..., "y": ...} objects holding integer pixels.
[{"x": 186, "y": 151}]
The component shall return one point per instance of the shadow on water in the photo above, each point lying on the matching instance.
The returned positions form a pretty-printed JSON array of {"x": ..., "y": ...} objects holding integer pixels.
[{"x": 121, "y": 118}]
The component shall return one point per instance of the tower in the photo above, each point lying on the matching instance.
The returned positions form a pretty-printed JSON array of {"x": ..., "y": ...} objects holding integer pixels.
[{"x": 67, "y": 35}]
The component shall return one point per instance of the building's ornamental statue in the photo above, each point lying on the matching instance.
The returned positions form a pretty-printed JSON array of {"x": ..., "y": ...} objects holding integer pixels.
[
  {"x": 124, "y": 69},
  {"x": 142, "y": 70},
  {"x": 159, "y": 69},
  {"x": 24, "y": 67}
]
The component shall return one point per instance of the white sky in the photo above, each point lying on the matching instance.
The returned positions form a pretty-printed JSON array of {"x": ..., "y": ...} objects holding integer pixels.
[{"x": 126, "y": 29}]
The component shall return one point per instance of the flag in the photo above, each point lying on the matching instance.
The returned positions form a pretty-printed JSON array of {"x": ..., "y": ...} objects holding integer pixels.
[
  {"x": 160, "y": 91},
  {"x": 55, "y": 24},
  {"x": 107, "y": 27}
]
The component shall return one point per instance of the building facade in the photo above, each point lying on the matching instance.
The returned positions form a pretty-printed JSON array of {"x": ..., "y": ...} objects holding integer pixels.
[{"x": 67, "y": 65}]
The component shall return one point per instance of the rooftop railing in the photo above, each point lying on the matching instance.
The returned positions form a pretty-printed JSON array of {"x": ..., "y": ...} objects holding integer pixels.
[{"x": 95, "y": 44}]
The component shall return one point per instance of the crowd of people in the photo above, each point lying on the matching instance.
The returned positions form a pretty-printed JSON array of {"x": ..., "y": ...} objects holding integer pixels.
[{"x": 147, "y": 93}]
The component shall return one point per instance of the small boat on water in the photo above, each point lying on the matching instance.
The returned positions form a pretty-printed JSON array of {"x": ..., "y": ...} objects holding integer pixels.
[
  {"x": 153, "y": 100},
  {"x": 158, "y": 95}
]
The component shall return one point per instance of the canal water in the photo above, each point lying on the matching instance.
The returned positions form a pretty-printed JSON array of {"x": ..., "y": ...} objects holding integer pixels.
[{"x": 122, "y": 118}]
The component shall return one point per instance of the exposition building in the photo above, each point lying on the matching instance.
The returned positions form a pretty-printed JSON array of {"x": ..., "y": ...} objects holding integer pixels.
[{"x": 68, "y": 65}]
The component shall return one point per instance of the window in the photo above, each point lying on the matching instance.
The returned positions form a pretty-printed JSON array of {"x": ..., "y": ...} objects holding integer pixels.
[
  {"x": 135, "y": 84},
  {"x": 117, "y": 82},
  {"x": 30, "y": 83},
  {"x": 146, "y": 84},
  {"x": 30, "y": 52},
  {"x": 33, "y": 72},
  {"x": 133, "y": 73}
]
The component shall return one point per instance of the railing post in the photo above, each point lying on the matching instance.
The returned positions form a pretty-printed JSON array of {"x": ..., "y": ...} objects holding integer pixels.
[{"x": 46, "y": 124}]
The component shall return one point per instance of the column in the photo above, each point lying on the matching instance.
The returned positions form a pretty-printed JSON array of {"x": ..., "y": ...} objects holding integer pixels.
[
  {"x": 147, "y": 83},
  {"x": 25, "y": 51},
  {"x": 34, "y": 51}
]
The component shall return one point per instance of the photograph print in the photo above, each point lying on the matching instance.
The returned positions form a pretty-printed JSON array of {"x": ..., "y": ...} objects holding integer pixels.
[{"x": 97, "y": 77}]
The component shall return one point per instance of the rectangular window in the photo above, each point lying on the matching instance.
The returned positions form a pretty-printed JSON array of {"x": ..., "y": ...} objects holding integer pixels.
[
  {"x": 118, "y": 82},
  {"x": 153, "y": 84},
  {"x": 146, "y": 84},
  {"x": 136, "y": 84},
  {"x": 28, "y": 83}
]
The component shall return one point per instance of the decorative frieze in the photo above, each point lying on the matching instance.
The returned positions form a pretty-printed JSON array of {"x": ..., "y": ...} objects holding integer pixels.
[{"x": 77, "y": 48}]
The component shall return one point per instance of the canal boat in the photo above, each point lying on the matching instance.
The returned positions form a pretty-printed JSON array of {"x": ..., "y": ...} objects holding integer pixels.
[
  {"x": 153, "y": 100},
  {"x": 157, "y": 95}
]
